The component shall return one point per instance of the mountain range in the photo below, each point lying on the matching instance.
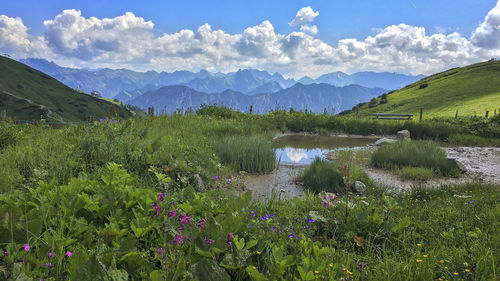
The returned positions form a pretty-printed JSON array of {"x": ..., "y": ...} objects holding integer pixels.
[
  {"x": 314, "y": 97},
  {"x": 125, "y": 85}
]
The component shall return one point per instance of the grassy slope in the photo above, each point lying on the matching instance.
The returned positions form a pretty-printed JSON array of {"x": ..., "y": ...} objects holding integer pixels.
[
  {"x": 23, "y": 89},
  {"x": 471, "y": 90}
]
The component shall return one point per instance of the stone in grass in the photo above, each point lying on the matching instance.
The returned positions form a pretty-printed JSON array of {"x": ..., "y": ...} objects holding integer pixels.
[
  {"x": 359, "y": 187},
  {"x": 457, "y": 164},
  {"x": 198, "y": 181},
  {"x": 384, "y": 140},
  {"x": 403, "y": 135}
]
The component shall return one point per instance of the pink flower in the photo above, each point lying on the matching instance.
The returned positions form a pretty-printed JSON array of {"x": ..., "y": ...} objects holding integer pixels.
[
  {"x": 202, "y": 223},
  {"x": 51, "y": 255},
  {"x": 171, "y": 213},
  {"x": 159, "y": 251},
  {"x": 229, "y": 243},
  {"x": 48, "y": 265},
  {"x": 68, "y": 254},
  {"x": 177, "y": 239},
  {"x": 26, "y": 247},
  {"x": 230, "y": 235},
  {"x": 209, "y": 241},
  {"x": 326, "y": 204}
]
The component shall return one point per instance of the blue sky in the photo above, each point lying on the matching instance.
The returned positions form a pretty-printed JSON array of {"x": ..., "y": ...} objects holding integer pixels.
[{"x": 313, "y": 51}]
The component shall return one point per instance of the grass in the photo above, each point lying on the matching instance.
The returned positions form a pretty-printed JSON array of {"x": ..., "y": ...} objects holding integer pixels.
[
  {"x": 104, "y": 193},
  {"x": 472, "y": 140},
  {"x": 253, "y": 154},
  {"x": 470, "y": 90},
  {"x": 417, "y": 154},
  {"x": 23, "y": 89},
  {"x": 416, "y": 173},
  {"x": 323, "y": 175}
]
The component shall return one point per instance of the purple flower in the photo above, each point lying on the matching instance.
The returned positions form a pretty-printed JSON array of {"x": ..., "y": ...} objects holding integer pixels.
[
  {"x": 360, "y": 267},
  {"x": 291, "y": 236},
  {"x": 184, "y": 219},
  {"x": 324, "y": 197},
  {"x": 177, "y": 239},
  {"x": 274, "y": 229},
  {"x": 5, "y": 253},
  {"x": 161, "y": 197},
  {"x": 201, "y": 223},
  {"x": 229, "y": 243},
  {"x": 250, "y": 225},
  {"x": 51, "y": 255},
  {"x": 326, "y": 204},
  {"x": 26, "y": 247},
  {"x": 231, "y": 236},
  {"x": 215, "y": 177},
  {"x": 470, "y": 202},
  {"x": 68, "y": 254},
  {"x": 159, "y": 251},
  {"x": 171, "y": 213},
  {"x": 48, "y": 265},
  {"x": 310, "y": 220},
  {"x": 209, "y": 242},
  {"x": 21, "y": 260},
  {"x": 297, "y": 219},
  {"x": 172, "y": 203},
  {"x": 116, "y": 121}
]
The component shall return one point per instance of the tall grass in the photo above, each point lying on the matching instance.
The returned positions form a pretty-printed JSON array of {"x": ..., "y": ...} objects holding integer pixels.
[
  {"x": 253, "y": 154},
  {"x": 463, "y": 139},
  {"x": 424, "y": 154},
  {"x": 323, "y": 175}
]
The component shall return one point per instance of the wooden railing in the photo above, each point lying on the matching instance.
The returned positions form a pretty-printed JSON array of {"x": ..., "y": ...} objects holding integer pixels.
[{"x": 393, "y": 116}]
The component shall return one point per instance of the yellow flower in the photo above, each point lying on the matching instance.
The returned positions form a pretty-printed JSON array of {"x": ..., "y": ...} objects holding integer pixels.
[
  {"x": 254, "y": 267},
  {"x": 258, "y": 253},
  {"x": 316, "y": 272},
  {"x": 419, "y": 245},
  {"x": 441, "y": 261},
  {"x": 467, "y": 270},
  {"x": 419, "y": 260},
  {"x": 348, "y": 272},
  {"x": 455, "y": 273},
  {"x": 425, "y": 256},
  {"x": 331, "y": 265}
]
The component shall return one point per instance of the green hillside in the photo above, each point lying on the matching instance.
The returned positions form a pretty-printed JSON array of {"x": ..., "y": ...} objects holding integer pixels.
[
  {"x": 29, "y": 94},
  {"x": 471, "y": 90}
]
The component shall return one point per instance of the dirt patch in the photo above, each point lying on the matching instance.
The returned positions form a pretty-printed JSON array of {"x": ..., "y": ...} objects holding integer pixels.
[
  {"x": 482, "y": 164},
  {"x": 281, "y": 180}
]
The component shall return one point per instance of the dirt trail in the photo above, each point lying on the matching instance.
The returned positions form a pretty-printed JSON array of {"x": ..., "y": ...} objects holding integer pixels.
[{"x": 43, "y": 107}]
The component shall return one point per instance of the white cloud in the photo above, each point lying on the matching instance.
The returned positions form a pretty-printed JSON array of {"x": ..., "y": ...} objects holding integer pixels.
[
  {"x": 304, "y": 16},
  {"x": 487, "y": 35},
  {"x": 130, "y": 41}
]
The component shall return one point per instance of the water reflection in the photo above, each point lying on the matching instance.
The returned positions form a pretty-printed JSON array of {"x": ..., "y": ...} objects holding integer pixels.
[{"x": 299, "y": 155}]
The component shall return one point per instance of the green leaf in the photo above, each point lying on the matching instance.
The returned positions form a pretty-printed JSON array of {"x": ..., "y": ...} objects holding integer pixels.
[
  {"x": 18, "y": 274},
  {"x": 240, "y": 243},
  {"x": 402, "y": 224},
  {"x": 255, "y": 274},
  {"x": 208, "y": 270},
  {"x": 251, "y": 244},
  {"x": 302, "y": 273},
  {"x": 156, "y": 275},
  {"x": 93, "y": 270},
  {"x": 206, "y": 254}
]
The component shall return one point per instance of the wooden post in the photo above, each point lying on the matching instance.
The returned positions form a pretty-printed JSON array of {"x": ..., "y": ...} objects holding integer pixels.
[
  {"x": 3, "y": 115},
  {"x": 91, "y": 121},
  {"x": 251, "y": 109},
  {"x": 152, "y": 113},
  {"x": 324, "y": 111},
  {"x": 16, "y": 120},
  {"x": 421, "y": 111},
  {"x": 456, "y": 114},
  {"x": 486, "y": 114}
]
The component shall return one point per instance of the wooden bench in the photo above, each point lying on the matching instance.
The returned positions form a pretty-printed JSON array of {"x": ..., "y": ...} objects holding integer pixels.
[{"x": 392, "y": 116}]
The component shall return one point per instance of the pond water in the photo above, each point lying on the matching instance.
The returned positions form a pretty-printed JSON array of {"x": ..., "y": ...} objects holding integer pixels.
[{"x": 302, "y": 149}]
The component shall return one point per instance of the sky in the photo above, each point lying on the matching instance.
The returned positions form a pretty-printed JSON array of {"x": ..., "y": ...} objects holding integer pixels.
[{"x": 293, "y": 37}]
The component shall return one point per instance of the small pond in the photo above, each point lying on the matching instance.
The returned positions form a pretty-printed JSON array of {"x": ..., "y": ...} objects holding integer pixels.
[{"x": 302, "y": 149}]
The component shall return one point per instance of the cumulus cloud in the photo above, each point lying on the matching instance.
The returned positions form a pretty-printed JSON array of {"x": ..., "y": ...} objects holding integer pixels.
[
  {"x": 487, "y": 35},
  {"x": 304, "y": 16},
  {"x": 130, "y": 41}
]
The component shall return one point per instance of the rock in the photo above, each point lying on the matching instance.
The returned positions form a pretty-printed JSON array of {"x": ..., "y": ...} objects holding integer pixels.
[
  {"x": 198, "y": 181},
  {"x": 457, "y": 164},
  {"x": 359, "y": 187},
  {"x": 403, "y": 135},
  {"x": 384, "y": 140}
]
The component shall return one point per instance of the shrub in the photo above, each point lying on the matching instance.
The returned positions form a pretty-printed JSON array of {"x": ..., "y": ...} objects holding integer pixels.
[
  {"x": 323, "y": 175},
  {"x": 372, "y": 103},
  {"x": 253, "y": 154},
  {"x": 472, "y": 140},
  {"x": 424, "y": 154}
]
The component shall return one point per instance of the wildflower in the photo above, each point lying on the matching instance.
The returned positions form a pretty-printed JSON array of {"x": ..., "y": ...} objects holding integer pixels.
[
  {"x": 230, "y": 235},
  {"x": 51, "y": 255},
  {"x": 326, "y": 204},
  {"x": 258, "y": 253},
  {"x": 441, "y": 261},
  {"x": 181, "y": 228},
  {"x": 159, "y": 251},
  {"x": 419, "y": 245},
  {"x": 209, "y": 242},
  {"x": 324, "y": 197},
  {"x": 201, "y": 223},
  {"x": 184, "y": 219},
  {"x": 229, "y": 243},
  {"x": 177, "y": 239},
  {"x": 291, "y": 236},
  {"x": 316, "y": 272},
  {"x": 467, "y": 270},
  {"x": 215, "y": 177},
  {"x": 252, "y": 213},
  {"x": 254, "y": 267},
  {"x": 250, "y": 225},
  {"x": 5, "y": 253},
  {"x": 455, "y": 273},
  {"x": 21, "y": 260},
  {"x": 360, "y": 267},
  {"x": 470, "y": 202},
  {"x": 172, "y": 203},
  {"x": 171, "y": 213},
  {"x": 419, "y": 260},
  {"x": 297, "y": 219},
  {"x": 161, "y": 197},
  {"x": 348, "y": 272},
  {"x": 310, "y": 220},
  {"x": 425, "y": 256},
  {"x": 330, "y": 265},
  {"x": 25, "y": 248}
]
